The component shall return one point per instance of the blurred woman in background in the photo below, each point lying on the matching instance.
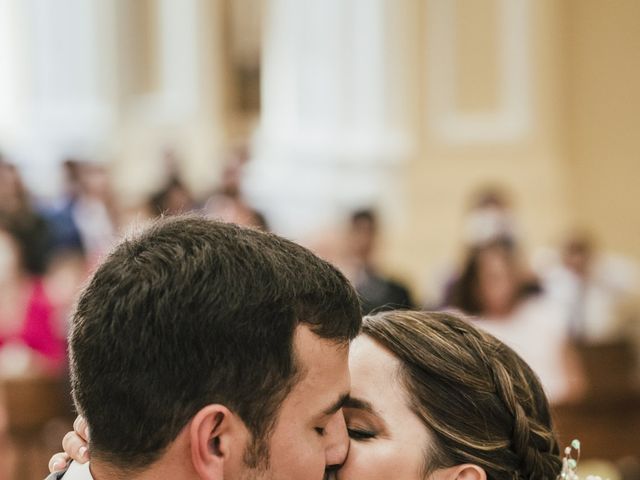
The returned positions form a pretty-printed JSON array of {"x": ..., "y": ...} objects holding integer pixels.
[
  {"x": 508, "y": 302},
  {"x": 30, "y": 339},
  {"x": 492, "y": 283},
  {"x": 15, "y": 202}
]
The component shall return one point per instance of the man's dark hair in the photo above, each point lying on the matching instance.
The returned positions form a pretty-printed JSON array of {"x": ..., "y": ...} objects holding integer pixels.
[{"x": 194, "y": 312}]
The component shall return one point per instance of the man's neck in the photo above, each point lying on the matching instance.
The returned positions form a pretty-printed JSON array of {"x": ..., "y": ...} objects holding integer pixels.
[
  {"x": 107, "y": 472},
  {"x": 163, "y": 468},
  {"x": 174, "y": 462}
]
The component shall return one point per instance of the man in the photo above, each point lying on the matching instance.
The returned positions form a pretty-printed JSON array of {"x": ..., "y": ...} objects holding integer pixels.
[
  {"x": 377, "y": 292},
  {"x": 203, "y": 350}
]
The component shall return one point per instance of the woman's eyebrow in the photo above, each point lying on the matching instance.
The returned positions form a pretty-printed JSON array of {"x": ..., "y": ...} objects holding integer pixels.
[
  {"x": 363, "y": 406},
  {"x": 358, "y": 403}
]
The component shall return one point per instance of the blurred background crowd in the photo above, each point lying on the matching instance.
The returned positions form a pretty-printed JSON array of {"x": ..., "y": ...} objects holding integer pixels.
[{"x": 445, "y": 154}]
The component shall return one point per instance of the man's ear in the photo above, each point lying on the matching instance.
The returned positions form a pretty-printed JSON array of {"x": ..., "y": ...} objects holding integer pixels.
[
  {"x": 218, "y": 439},
  {"x": 467, "y": 471}
]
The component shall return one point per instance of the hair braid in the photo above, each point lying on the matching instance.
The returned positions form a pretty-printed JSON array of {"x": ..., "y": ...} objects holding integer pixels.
[
  {"x": 534, "y": 445},
  {"x": 481, "y": 401}
]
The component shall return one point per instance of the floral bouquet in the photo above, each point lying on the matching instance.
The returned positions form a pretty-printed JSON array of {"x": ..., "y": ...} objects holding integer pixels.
[{"x": 570, "y": 464}]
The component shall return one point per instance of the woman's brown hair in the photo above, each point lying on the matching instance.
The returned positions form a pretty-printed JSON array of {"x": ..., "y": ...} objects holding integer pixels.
[{"x": 480, "y": 401}]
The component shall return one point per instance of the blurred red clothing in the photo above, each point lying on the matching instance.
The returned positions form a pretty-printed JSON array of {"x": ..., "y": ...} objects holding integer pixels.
[{"x": 38, "y": 330}]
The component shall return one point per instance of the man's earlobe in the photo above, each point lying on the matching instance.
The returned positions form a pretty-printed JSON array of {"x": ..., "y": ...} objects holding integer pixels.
[{"x": 211, "y": 434}]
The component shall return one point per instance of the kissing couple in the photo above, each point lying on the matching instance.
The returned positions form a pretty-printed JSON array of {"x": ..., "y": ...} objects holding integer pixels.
[{"x": 204, "y": 350}]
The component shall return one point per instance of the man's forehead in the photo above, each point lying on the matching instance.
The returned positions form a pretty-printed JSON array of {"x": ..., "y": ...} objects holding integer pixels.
[
  {"x": 324, "y": 368},
  {"x": 314, "y": 352}
]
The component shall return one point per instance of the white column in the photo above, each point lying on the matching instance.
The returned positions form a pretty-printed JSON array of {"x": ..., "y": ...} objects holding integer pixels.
[
  {"x": 13, "y": 80},
  {"x": 64, "y": 89},
  {"x": 334, "y": 129},
  {"x": 184, "y": 110},
  {"x": 70, "y": 86}
]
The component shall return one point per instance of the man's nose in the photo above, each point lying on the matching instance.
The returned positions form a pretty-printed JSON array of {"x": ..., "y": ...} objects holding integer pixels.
[{"x": 337, "y": 439}]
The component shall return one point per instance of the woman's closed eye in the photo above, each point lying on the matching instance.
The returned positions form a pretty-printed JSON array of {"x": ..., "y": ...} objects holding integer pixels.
[
  {"x": 361, "y": 434},
  {"x": 363, "y": 421}
]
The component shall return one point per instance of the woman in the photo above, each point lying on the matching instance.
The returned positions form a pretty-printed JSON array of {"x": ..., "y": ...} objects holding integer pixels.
[
  {"x": 511, "y": 306},
  {"x": 434, "y": 397},
  {"x": 30, "y": 337},
  {"x": 492, "y": 282}
]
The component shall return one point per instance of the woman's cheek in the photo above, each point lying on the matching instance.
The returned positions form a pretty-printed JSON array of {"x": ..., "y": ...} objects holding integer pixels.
[
  {"x": 366, "y": 461},
  {"x": 382, "y": 460}
]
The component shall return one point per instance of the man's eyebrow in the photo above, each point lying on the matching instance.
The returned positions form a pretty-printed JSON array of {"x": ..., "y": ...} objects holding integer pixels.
[
  {"x": 337, "y": 405},
  {"x": 359, "y": 404}
]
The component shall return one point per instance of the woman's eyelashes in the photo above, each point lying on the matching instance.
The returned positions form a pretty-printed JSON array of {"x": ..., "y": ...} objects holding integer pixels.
[{"x": 359, "y": 434}]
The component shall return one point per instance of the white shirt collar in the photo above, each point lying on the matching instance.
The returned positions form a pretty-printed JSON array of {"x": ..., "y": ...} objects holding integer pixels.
[{"x": 77, "y": 471}]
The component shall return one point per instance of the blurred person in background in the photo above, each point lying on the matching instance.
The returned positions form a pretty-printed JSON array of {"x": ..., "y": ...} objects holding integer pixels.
[
  {"x": 67, "y": 265},
  {"x": 83, "y": 223},
  {"x": 377, "y": 292},
  {"x": 66, "y": 236},
  {"x": 508, "y": 304},
  {"x": 94, "y": 211},
  {"x": 490, "y": 217},
  {"x": 492, "y": 281},
  {"x": 228, "y": 204},
  {"x": 596, "y": 289},
  {"x": 30, "y": 339},
  {"x": 32, "y": 342},
  {"x": 173, "y": 199},
  {"x": 13, "y": 194},
  {"x": 16, "y": 203},
  {"x": 234, "y": 210}
]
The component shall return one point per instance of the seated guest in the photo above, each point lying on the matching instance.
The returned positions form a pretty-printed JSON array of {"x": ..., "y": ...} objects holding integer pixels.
[
  {"x": 65, "y": 234},
  {"x": 29, "y": 336},
  {"x": 596, "y": 287},
  {"x": 15, "y": 202},
  {"x": 490, "y": 217},
  {"x": 84, "y": 221},
  {"x": 377, "y": 292},
  {"x": 492, "y": 281},
  {"x": 203, "y": 350},
  {"x": 173, "y": 199},
  {"x": 509, "y": 305}
]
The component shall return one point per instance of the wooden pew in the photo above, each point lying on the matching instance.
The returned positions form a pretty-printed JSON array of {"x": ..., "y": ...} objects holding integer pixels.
[
  {"x": 32, "y": 403},
  {"x": 607, "y": 420}
]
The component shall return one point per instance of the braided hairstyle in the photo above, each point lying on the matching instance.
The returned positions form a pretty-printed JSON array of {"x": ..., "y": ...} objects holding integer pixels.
[{"x": 481, "y": 402}]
